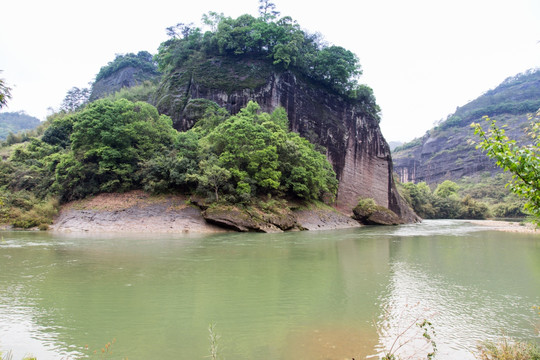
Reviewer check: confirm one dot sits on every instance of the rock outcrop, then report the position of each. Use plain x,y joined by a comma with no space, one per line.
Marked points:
124,78
244,220
352,138
376,215
442,156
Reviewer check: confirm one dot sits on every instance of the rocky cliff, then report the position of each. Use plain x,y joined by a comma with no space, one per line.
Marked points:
352,138
124,78
446,152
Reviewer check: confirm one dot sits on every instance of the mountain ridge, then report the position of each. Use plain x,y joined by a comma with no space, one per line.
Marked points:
447,151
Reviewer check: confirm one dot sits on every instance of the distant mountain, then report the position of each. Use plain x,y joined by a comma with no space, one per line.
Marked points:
445,152
394,144
13,122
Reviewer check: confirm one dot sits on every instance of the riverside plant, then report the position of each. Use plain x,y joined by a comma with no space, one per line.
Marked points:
411,337
507,349
9,356
214,342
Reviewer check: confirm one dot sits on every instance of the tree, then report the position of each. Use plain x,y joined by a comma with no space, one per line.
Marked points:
113,138
5,93
263,157
212,175
75,99
446,189
267,10
523,162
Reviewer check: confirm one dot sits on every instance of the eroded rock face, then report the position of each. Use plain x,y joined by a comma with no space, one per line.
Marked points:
126,77
355,146
442,157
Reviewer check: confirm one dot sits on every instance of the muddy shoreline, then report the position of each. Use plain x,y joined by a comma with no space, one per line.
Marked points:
507,226
138,212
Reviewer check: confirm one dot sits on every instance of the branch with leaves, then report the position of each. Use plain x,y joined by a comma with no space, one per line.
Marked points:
522,161
5,93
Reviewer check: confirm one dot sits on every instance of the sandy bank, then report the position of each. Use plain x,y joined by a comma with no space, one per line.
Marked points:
507,226
138,212
133,212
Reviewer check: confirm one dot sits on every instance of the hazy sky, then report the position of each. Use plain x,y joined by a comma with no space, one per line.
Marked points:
423,58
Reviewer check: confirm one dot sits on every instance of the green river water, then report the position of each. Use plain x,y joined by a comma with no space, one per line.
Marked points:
301,295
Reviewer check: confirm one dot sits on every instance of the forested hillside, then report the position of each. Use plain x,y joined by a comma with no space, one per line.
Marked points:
13,122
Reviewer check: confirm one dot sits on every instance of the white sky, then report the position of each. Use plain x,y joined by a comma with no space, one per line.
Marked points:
423,58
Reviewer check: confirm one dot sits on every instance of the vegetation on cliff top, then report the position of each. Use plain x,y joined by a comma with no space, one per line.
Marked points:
281,41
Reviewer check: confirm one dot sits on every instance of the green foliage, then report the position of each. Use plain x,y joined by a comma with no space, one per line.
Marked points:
523,162
22,209
110,139
443,203
367,205
214,177
143,60
120,145
59,131
143,92
264,158
446,189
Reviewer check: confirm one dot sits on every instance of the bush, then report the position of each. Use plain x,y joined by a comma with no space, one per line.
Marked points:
23,210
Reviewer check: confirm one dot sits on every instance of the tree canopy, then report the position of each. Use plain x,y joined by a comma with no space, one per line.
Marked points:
75,99
263,157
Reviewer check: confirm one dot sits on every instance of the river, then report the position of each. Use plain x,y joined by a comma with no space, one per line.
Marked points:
302,295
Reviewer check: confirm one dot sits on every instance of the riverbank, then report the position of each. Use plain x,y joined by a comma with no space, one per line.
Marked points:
138,212
507,226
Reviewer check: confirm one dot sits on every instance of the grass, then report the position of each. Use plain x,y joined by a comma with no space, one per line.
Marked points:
506,349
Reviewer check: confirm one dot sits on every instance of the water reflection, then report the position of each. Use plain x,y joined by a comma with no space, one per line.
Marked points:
471,288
